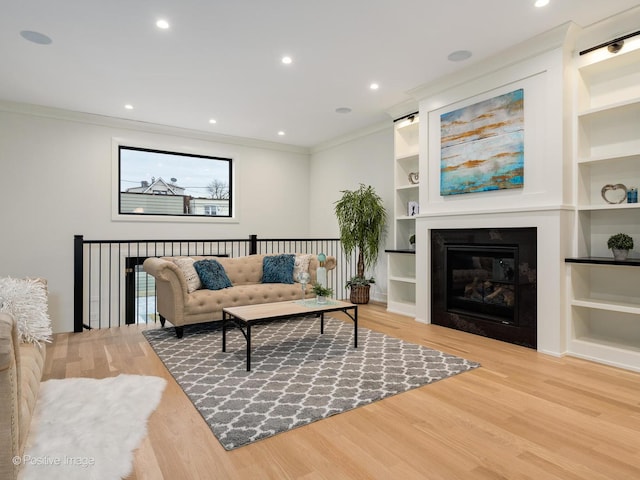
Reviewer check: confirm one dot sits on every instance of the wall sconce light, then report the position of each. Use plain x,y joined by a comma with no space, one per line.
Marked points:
406,120
615,47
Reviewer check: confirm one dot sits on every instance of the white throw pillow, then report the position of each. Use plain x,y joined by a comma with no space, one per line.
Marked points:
190,275
301,264
26,300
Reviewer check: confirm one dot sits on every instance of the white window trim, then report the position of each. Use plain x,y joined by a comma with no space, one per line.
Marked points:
116,216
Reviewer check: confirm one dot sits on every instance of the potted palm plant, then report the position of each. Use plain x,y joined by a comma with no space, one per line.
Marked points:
361,218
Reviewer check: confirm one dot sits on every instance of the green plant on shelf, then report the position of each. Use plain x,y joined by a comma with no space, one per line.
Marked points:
620,241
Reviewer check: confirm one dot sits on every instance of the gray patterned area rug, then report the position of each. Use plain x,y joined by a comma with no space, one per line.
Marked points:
297,375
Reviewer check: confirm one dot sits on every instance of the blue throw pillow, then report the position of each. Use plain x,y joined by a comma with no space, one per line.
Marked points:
278,268
212,274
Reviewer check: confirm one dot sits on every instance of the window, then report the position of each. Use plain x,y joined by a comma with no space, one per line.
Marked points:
215,210
155,182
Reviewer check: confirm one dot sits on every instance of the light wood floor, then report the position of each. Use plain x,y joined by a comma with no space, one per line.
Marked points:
521,415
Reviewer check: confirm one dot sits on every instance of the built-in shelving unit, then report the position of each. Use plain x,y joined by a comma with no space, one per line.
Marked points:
401,274
605,294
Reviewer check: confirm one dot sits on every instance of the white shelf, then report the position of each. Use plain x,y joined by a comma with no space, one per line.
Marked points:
409,157
631,104
403,308
403,279
603,350
401,271
609,305
635,155
412,187
610,206
604,318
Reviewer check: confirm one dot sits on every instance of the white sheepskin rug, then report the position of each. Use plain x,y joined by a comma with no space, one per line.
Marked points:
88,429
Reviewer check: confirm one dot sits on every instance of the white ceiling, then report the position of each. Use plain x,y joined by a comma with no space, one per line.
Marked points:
222,59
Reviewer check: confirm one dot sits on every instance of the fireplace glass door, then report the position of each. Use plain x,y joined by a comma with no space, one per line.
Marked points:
482,281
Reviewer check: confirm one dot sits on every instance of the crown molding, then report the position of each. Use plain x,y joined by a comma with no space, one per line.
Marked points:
125,124
349,137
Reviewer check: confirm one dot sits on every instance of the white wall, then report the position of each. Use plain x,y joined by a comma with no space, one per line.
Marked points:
57,182
343,165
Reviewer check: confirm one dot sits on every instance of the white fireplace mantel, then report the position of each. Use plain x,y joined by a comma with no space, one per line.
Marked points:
554,228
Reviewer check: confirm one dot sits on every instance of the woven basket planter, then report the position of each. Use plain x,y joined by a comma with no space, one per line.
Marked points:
359,294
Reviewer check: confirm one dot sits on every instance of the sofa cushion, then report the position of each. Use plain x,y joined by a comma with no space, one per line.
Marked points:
212,274
185,264
278,268
245,270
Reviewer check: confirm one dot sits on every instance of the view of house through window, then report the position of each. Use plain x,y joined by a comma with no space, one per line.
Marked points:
154,182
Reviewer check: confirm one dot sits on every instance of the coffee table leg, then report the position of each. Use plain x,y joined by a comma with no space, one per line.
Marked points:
321,322
224,331
248,347
355,328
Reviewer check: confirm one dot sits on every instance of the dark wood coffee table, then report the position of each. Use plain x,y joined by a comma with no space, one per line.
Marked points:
247,316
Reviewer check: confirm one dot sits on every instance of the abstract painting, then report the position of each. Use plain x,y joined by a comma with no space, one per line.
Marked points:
482,146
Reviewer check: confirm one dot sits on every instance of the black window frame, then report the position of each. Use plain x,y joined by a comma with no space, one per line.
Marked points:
229,181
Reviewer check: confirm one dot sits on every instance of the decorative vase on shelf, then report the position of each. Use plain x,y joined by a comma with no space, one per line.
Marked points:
321,273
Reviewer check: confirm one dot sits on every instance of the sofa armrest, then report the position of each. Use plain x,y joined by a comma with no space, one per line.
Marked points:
171,287
9,397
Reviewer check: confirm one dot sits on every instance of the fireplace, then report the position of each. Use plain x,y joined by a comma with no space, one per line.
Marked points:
484,282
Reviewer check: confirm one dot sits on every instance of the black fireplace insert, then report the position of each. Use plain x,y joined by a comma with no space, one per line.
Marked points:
484,282
481,281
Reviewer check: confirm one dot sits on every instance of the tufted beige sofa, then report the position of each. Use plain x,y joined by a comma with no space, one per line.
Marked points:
180,308
21,367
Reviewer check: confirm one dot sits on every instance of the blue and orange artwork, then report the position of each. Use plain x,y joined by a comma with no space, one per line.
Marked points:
482,146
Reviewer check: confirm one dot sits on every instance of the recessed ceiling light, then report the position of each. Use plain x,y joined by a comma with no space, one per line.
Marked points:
281,133
287,60
212,120
374,86
343,110
128,106
35,37
162,23
459,55
541,3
